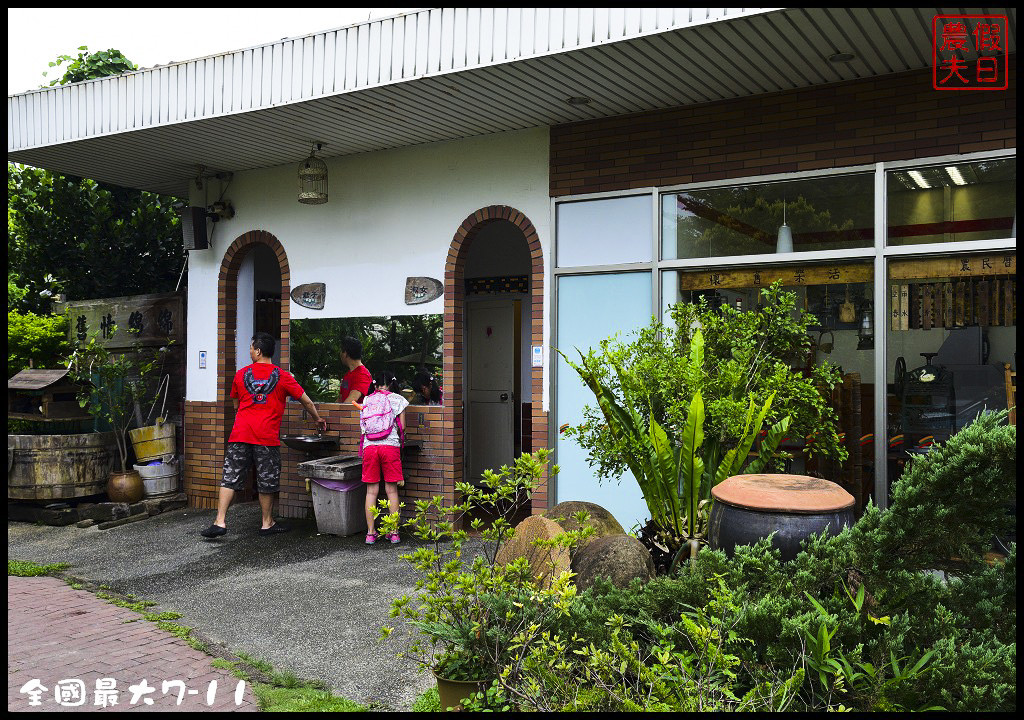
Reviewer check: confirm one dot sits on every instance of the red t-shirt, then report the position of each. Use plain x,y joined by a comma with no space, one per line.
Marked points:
261,389
358,379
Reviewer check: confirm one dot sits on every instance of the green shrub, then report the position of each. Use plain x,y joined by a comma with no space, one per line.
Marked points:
858,620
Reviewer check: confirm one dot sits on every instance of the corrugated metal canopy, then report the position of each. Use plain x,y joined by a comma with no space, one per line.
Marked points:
435,75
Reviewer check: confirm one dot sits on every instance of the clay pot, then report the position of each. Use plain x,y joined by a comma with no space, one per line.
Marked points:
125,487
750,507
451,692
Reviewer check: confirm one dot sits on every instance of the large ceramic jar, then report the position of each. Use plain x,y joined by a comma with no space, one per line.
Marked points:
125,487
750,507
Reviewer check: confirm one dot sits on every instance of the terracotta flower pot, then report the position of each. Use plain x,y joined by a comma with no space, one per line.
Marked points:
125,487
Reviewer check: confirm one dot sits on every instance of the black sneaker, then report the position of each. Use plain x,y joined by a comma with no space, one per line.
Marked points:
214,531
274,529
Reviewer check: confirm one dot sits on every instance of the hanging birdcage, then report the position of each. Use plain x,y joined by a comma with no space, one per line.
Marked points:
313,179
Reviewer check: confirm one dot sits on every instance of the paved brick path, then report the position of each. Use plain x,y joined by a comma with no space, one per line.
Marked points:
55,633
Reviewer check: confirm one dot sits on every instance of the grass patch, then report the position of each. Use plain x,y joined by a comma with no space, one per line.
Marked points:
260,665
429,701
25,568
302,699
285,692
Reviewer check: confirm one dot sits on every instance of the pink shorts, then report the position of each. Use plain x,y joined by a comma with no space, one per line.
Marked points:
382,462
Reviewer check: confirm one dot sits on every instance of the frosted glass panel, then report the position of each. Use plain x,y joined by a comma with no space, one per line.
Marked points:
590,308
604,232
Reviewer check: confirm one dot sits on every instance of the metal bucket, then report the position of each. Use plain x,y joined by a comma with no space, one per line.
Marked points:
153,442
159,480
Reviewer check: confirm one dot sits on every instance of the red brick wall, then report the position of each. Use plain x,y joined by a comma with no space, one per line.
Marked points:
895,117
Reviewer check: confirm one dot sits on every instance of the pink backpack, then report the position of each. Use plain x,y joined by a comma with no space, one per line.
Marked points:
377,417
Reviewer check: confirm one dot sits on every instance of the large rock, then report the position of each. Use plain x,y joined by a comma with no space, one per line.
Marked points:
545,563
620,558
603,522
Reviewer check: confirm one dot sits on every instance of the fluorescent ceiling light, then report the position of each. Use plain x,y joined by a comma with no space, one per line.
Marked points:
955,176
919,179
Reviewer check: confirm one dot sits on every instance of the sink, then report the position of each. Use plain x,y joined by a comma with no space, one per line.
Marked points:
311,443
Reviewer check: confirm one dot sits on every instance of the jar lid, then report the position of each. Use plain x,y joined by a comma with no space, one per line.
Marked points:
782,493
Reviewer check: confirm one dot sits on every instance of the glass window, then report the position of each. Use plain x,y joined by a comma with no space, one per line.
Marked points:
950,203
820,213
952,337
604,232
839,296
590,309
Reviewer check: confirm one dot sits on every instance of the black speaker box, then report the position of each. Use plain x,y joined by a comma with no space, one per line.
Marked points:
193,228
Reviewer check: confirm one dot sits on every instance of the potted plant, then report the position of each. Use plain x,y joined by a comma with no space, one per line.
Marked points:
114,384
462,637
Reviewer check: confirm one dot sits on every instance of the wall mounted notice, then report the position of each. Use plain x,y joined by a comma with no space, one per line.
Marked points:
538,356
202,359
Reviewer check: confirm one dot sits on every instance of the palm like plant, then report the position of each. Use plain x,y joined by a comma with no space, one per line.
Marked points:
676,477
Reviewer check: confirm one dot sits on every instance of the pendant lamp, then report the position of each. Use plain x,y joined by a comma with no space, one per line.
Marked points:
313,179
785,241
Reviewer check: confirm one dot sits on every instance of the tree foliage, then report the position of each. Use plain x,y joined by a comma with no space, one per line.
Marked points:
89,66
85,238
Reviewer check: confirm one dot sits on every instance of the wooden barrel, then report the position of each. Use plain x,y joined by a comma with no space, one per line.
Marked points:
58,467
750,507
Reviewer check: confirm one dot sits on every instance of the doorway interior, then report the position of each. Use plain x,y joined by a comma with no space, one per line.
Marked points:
257,309
497,377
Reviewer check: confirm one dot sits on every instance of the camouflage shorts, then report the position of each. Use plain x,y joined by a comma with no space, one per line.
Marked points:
239,457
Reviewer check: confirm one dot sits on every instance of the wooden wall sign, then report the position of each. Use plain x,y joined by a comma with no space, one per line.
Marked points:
789,275
121,322
953,267
422,289
310,295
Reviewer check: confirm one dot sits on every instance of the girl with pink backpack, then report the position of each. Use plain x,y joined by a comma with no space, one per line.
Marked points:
380,420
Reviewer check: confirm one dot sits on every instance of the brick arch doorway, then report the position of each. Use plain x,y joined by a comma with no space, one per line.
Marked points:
533,422
253,274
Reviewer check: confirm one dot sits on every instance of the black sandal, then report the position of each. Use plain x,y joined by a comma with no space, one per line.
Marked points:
274,529
214,531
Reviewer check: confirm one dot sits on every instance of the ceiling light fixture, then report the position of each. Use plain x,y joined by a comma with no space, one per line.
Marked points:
954,175
919,179
842,57
579,100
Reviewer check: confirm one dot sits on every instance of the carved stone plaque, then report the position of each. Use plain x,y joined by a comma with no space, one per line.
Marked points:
422,289
310,295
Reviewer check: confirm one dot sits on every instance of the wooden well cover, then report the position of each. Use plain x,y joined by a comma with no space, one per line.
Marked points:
782,493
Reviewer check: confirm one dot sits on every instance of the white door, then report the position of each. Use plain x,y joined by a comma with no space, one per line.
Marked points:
490,360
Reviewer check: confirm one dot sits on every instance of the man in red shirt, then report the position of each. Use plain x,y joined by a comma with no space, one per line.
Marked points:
356,383
259,392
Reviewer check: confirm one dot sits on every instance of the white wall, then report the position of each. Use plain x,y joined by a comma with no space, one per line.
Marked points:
390,214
